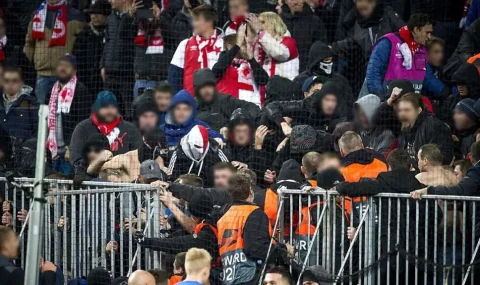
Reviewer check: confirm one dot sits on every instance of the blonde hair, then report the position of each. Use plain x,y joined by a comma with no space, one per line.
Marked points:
274,24
350,142
196,260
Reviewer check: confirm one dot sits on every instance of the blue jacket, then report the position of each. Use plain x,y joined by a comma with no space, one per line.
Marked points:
377,67
175,132
20,119
473,12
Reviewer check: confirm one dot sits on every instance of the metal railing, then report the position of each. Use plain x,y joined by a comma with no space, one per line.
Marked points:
79,223
397,240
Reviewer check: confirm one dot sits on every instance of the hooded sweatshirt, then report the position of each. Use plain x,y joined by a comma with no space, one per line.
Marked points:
175,131
318,52
374,137
468,75
196,154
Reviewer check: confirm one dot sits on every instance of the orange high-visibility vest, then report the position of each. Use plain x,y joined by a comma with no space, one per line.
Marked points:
271,206
175,279
237,267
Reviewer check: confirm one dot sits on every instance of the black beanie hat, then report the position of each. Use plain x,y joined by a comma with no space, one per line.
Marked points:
99,276
145,106
200,206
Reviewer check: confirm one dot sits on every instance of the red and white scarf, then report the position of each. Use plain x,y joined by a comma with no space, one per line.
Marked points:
109,130
60,102
155,43
235,24
204,47
59,33
3,42
408,38
245,74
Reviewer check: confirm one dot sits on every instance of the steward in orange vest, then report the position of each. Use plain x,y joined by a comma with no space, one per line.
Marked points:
304,232
244,236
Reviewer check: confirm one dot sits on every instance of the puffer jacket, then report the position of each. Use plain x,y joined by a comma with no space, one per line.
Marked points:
45,57
118,53
20,119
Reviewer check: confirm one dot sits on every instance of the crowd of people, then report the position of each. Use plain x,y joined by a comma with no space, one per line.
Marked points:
219,104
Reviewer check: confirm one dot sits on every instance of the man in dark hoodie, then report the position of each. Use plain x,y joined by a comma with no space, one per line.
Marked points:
465,117
418,127
466,79
376,137
181,118
18,109
240,136
321,59
105,119
323,110
215,108
196,153
305,27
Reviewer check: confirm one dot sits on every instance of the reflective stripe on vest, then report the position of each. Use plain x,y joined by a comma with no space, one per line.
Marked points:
237,268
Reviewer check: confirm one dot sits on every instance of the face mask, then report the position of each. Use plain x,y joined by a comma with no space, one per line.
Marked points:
327,67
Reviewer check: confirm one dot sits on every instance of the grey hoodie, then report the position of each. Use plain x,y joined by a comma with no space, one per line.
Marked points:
375,137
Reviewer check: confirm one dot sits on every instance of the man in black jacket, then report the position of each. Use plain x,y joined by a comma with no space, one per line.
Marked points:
116,63
215,108
420,128
465,118
89,45
305,27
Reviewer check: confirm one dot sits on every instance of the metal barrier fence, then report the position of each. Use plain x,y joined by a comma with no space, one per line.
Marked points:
79,223
397,240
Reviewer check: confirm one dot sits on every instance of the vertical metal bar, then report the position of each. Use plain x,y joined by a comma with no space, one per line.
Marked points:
35,234
56,218
139,226
351,259
130,217
156,226
47,235
435,242
407,237
122,220
474,222
328,228
65,248
360,241
416,240
83,238
342,237
426,240
73,235
112,233
464,234
397,274
147,210
454,239
379,236
333,206
103,232
445,217
30,213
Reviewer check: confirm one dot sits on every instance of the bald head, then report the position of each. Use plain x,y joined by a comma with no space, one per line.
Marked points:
350,142
141,277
